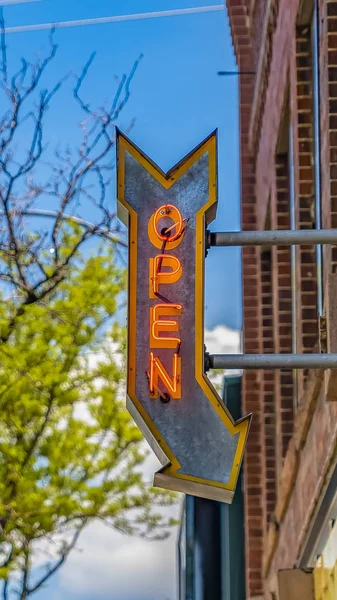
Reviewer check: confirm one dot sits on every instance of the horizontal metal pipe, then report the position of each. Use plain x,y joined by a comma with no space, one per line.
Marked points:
272,361
273,238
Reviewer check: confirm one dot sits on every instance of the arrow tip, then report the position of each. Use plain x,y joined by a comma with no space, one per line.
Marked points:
166,478
170,476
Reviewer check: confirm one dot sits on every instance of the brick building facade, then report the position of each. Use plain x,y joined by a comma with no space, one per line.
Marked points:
287,53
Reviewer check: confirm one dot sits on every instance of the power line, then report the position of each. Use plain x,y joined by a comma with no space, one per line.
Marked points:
114,19
53,214
9,2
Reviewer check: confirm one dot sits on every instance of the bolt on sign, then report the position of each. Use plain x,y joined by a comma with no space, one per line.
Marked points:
168,394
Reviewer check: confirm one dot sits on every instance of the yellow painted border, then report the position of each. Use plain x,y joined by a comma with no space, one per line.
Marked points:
167,180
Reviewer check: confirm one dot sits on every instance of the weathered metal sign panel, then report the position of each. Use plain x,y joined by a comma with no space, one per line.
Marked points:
168,393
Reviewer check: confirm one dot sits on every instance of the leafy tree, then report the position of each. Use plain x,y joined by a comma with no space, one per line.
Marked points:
69,452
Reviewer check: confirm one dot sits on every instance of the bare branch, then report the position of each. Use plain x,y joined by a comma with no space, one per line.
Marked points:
25,571
64,555
85,107
5,590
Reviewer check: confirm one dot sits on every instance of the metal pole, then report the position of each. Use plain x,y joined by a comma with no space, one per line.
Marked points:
317,151
293,260
207,550
273,238
51,214
271,361
238,73
232,515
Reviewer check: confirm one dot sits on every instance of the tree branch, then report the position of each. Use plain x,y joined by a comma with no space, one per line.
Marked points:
5,590
25,569
60,562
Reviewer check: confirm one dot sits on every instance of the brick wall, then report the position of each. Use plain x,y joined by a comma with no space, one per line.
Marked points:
328,110
256,20
268,382
254,461
330,15
305,217
290,448
283,293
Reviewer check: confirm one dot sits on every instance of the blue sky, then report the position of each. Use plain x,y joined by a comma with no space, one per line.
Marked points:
177,100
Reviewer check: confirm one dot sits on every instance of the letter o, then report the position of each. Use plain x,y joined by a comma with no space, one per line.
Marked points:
156,237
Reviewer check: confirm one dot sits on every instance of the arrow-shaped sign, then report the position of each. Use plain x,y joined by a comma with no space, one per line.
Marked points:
168,393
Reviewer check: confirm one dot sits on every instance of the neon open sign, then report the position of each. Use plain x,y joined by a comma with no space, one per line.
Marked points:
165,269
168,393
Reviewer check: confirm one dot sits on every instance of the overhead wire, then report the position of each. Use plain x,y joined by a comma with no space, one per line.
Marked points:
9,2
112,18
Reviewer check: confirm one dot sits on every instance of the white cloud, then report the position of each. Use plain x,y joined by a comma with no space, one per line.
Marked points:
123,568
94,358
222,340
106,564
